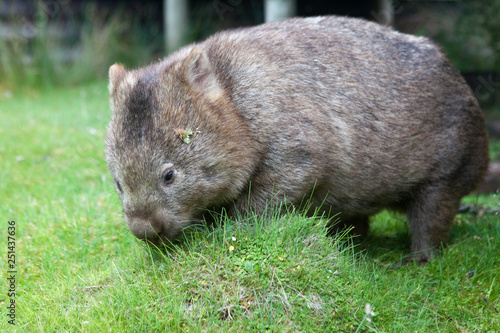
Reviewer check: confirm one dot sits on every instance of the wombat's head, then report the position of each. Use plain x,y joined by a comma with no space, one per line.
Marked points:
175,145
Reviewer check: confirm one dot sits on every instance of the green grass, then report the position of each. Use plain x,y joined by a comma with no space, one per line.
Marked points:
79,268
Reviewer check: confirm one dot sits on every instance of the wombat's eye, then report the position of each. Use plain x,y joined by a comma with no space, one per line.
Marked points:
118,186
168,176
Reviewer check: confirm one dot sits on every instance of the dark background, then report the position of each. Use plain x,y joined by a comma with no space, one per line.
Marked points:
53,42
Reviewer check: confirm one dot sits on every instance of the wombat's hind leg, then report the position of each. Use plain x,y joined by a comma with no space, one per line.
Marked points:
430,214
360,225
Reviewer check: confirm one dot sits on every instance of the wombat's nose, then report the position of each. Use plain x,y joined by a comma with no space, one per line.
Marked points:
145,229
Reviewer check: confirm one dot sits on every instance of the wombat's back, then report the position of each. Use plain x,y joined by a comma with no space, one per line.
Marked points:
354,103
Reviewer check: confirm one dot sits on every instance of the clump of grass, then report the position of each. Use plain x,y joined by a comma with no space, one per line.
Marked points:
266,272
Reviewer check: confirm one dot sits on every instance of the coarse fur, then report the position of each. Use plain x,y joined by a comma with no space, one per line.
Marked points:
352,114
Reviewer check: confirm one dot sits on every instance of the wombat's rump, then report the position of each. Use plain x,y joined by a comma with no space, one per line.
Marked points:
353,114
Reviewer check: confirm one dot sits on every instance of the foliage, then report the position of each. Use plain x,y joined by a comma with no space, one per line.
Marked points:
494,150
35,55
474,42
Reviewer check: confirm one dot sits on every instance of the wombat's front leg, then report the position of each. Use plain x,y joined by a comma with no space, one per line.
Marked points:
431,214
359,224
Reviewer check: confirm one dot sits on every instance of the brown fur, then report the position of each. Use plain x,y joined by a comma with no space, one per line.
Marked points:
354,113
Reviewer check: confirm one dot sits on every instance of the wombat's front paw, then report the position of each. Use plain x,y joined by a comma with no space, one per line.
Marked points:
419,258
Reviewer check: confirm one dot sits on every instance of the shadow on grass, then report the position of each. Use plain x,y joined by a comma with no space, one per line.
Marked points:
389,239
385,249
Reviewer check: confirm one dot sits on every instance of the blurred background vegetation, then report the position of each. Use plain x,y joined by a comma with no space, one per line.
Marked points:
47,43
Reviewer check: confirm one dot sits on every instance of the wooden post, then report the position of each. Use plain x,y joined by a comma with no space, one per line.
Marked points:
175,19
275,10
384,12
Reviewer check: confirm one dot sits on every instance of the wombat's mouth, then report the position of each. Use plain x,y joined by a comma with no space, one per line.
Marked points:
160,231
161,226
145,229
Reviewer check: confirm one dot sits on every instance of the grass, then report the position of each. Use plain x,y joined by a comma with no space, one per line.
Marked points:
80,269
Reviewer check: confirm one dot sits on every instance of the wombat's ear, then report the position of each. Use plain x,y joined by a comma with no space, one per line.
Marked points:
199,73
116,74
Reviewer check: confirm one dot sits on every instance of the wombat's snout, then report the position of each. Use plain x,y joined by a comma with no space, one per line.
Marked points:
146,229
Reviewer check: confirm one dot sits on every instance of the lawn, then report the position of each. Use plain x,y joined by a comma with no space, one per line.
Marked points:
77,267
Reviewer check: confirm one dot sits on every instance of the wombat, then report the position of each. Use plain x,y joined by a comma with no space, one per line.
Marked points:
351,114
